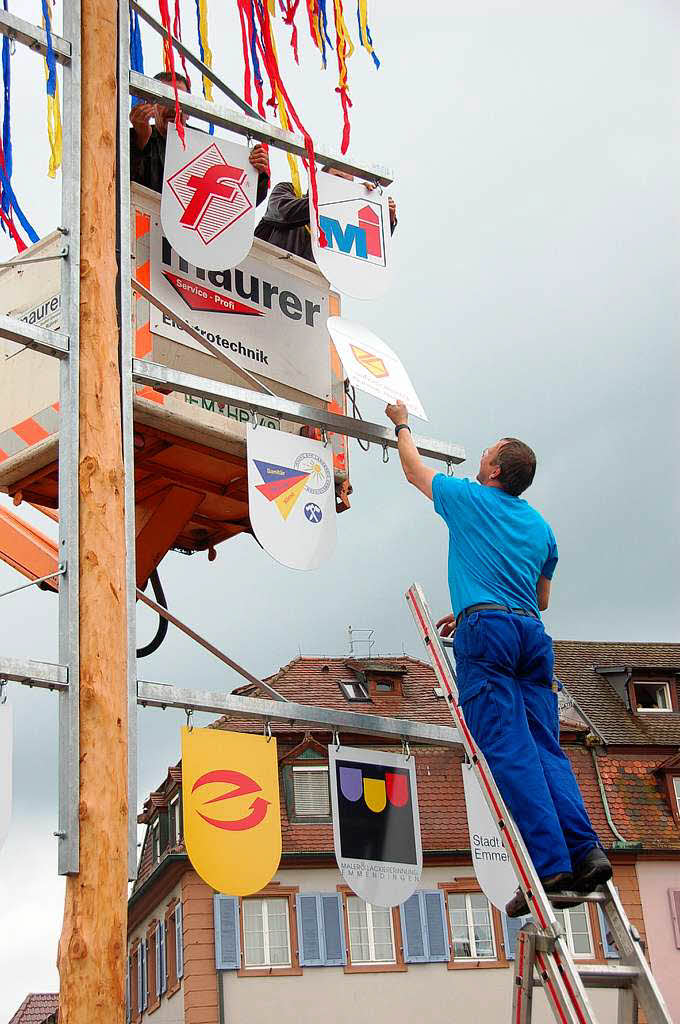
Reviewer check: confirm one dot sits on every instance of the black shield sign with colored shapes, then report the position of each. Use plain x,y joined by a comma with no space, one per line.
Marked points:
376,825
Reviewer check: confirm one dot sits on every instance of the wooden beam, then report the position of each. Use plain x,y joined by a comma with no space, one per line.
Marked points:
158,531
26,549
92,948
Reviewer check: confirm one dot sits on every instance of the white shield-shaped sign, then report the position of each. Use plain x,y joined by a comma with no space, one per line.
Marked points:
372,366
5,770
376,825
492,865
356,225
291,497
208,200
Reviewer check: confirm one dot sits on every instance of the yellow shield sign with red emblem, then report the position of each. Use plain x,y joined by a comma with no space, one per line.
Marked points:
232,814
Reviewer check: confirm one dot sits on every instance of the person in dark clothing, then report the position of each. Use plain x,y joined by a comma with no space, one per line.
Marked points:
147,143
286,219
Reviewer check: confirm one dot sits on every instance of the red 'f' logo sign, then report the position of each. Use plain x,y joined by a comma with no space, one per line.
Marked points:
211,194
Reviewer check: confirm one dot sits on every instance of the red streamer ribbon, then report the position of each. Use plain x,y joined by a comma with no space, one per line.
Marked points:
168,53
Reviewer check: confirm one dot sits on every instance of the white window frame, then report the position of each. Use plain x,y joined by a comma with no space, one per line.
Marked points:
371,937
676,790
267,965
176,817
300,769
352,687
654,682
471,929
155,840
566,911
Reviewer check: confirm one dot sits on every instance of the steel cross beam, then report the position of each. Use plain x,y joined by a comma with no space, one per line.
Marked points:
251,127
154,375
158,695
33,37
206,72
34,673
50,343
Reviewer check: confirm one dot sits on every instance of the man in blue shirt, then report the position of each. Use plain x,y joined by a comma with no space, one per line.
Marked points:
502,556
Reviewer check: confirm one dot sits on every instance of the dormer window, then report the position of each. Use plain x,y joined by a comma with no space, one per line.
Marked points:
353,689
652,695
310,791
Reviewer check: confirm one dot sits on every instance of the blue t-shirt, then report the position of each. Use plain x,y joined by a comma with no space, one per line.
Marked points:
498,544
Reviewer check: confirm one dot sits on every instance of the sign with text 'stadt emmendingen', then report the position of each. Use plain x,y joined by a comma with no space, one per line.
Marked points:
376,825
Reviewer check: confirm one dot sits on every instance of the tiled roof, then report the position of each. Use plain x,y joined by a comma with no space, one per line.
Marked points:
36,1008
639,806
575,664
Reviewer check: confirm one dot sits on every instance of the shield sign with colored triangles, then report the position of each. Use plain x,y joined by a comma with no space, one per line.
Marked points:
291,497
232,815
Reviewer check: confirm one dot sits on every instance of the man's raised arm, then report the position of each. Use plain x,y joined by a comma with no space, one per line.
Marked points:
415,470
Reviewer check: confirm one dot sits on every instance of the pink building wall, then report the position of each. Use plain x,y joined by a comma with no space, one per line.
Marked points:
655,878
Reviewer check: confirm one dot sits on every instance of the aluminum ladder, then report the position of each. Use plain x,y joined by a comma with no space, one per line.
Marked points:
542,945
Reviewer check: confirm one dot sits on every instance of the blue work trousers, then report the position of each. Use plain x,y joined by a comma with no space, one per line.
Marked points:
504,665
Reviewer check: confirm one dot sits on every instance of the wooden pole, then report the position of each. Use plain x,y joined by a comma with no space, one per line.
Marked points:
93,940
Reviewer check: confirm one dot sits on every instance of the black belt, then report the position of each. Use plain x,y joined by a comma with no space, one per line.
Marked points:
488,607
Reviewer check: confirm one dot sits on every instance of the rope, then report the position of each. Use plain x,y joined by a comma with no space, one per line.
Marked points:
351,393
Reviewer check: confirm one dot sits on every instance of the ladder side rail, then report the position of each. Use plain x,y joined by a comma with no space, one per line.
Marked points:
523,990
628,944
562,984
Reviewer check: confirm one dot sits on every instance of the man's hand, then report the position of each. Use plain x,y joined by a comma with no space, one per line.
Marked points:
259,158
447,625
140,118
398,413
393,210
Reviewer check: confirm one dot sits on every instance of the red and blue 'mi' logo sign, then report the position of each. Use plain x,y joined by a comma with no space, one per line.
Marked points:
354,228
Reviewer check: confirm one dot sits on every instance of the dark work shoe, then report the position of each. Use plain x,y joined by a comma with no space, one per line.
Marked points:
517,907
593,870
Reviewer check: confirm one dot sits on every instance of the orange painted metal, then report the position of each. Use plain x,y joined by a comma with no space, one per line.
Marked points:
26,549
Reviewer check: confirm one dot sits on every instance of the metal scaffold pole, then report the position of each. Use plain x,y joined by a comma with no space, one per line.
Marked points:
92,946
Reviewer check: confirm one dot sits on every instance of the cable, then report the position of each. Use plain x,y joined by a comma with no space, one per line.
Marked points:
350,391
150,648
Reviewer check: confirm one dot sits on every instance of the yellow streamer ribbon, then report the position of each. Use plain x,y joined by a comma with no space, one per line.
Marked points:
54,128
285,124
207,52
344,43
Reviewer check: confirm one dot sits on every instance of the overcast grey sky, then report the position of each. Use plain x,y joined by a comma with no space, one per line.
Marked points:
535,295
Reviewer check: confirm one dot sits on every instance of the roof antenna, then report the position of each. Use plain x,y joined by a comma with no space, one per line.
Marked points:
364,643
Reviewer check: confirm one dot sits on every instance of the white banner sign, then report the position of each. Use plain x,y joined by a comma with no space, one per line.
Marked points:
493,869
264,318
372,366
356,225
5,770
208,200
291,497
376,825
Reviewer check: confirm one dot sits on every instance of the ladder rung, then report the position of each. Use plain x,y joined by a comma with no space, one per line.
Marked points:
568,896
604,976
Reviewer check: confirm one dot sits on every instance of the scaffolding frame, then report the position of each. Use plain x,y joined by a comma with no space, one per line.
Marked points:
63,678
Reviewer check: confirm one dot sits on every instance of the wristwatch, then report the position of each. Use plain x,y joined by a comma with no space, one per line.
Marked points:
401,426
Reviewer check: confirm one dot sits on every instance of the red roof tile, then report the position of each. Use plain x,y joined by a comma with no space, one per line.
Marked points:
36,1008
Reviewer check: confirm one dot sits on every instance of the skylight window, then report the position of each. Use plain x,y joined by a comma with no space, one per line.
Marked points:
652,695
353,690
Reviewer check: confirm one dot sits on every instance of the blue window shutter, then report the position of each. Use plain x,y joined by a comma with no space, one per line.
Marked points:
413,929
140,986
437,932
227,933
157,992
164,956
179,941
144,950
309,930
610,950
511,928
333,920
127,992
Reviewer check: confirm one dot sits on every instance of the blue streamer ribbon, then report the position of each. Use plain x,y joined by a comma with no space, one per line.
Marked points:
9,200
136,52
